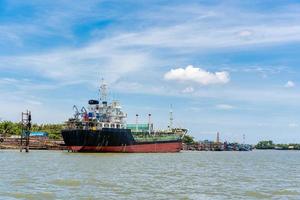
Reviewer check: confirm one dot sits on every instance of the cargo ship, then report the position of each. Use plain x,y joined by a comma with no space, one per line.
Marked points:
101,127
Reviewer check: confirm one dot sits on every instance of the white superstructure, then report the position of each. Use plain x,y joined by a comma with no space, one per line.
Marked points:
99,113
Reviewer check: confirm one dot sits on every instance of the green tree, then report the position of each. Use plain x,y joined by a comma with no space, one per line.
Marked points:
187,139
8,128
265,145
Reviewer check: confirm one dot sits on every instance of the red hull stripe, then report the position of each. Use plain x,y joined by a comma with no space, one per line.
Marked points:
140,148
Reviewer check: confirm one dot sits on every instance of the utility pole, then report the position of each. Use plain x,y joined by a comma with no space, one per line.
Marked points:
136,122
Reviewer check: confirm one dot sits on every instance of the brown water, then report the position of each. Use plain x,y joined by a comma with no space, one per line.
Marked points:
187,175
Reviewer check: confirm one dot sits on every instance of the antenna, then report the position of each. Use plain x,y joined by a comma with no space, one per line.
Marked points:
103,90
171,118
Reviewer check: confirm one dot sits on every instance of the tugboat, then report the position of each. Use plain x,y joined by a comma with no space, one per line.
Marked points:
102,128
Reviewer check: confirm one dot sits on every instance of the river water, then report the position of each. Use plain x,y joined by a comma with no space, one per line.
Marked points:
185,175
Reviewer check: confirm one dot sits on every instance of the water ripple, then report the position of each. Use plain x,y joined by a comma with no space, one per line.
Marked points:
187,175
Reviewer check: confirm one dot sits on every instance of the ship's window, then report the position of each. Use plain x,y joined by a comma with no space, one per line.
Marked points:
113,126
106,125
100,125
118,125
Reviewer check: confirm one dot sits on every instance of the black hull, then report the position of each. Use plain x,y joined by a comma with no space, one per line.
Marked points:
105,137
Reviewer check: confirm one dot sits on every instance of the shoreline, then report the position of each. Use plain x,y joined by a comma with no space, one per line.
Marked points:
35,143
44,143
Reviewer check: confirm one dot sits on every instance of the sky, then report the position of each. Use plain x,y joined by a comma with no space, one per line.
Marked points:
225,66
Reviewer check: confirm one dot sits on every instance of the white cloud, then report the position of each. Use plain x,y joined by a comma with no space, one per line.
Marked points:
197,75
84,64
224,107
293,125
290,84
245,33
33,102
190,28
188,90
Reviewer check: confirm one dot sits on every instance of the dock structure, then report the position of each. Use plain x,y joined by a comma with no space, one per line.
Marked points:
25,131
217,145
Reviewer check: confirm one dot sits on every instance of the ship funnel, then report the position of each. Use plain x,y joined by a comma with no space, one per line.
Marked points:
93,102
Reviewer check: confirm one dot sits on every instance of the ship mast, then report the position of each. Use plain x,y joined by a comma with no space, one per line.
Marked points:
171,118
103,91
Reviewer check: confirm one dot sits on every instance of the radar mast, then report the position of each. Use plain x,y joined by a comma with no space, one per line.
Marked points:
103,91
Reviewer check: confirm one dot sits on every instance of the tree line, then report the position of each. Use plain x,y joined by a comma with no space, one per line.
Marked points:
8,128
271,145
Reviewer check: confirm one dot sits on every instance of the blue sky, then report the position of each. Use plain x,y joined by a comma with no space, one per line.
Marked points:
227,66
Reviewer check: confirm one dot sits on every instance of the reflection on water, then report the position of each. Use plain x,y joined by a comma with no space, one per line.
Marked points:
187,175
